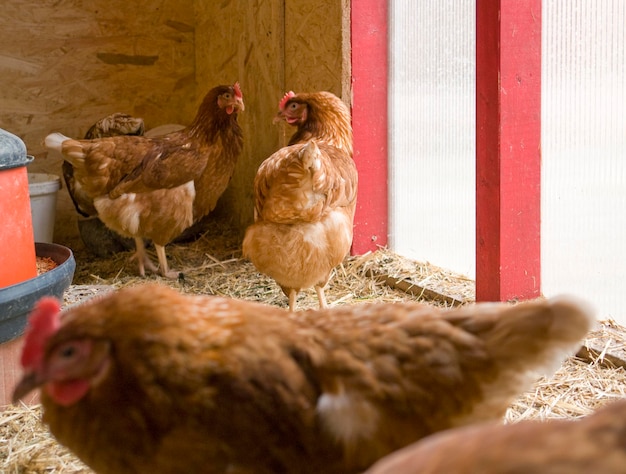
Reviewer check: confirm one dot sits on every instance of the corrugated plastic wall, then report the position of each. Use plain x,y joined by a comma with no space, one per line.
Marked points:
432,150
583,142
584,151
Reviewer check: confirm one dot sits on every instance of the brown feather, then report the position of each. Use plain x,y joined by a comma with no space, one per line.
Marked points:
594,444
303,227
109,126
210,384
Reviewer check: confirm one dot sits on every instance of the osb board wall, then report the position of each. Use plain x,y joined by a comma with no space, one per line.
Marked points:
243,40
270,46
66,63
317,46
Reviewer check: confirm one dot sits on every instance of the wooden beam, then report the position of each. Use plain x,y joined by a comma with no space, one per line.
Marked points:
413,288
508,153
369,121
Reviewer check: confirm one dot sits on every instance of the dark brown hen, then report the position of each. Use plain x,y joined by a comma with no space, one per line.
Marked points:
154,188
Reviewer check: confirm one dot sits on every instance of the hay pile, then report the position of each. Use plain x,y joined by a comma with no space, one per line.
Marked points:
213,265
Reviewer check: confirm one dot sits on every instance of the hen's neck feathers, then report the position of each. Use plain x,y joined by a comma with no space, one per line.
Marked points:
211,121
328,121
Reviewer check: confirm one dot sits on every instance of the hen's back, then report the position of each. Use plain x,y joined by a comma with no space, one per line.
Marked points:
420,370
593,444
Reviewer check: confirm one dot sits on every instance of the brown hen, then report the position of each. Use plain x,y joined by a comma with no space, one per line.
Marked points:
305,198
594,444
155,188
110,126
149,380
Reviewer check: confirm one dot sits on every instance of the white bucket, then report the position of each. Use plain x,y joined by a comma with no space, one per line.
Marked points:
43,189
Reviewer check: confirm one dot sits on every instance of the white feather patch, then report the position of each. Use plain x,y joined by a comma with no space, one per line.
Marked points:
54,141
314,234
347,417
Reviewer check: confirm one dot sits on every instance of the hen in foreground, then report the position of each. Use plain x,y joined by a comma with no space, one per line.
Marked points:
155,188
594,444
305,198
149,380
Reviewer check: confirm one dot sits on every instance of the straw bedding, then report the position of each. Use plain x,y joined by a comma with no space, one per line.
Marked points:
213,265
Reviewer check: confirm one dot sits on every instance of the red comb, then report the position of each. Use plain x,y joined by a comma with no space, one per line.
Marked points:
286,97
237,90
42,323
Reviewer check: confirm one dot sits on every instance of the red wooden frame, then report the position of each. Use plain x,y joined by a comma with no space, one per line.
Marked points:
508,137
369,121
508,149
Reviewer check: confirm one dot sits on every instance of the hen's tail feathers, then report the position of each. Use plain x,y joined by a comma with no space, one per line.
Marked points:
541,334
310,156
54,141
71,149
524,342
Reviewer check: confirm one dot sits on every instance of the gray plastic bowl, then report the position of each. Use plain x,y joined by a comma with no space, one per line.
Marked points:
17,301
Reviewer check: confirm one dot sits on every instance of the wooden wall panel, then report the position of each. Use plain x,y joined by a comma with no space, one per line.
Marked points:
317,49
65,64
314,38
243,40
270,46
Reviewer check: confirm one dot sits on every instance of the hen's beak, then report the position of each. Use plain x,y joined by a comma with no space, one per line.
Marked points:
234,105
30,381
239,104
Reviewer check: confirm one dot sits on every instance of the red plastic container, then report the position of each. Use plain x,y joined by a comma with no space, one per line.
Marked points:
17,245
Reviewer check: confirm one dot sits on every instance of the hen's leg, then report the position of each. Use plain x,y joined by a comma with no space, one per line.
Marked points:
142,258
164,268
321,296
293,294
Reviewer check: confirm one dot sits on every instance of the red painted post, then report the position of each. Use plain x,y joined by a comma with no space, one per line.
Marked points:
369,121
508,149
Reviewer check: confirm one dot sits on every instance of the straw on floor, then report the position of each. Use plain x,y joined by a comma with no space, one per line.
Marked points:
213,265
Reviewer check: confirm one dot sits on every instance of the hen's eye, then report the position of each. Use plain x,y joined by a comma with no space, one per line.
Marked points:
293,106
67,352
227,95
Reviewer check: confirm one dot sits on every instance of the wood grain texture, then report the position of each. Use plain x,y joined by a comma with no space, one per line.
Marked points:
59,73
313,46
66,64
242,40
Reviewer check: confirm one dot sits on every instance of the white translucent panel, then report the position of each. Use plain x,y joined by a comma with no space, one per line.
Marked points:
432,142
584,152
432,131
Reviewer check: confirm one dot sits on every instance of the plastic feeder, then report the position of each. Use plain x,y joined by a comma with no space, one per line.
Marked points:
17,301
17,245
